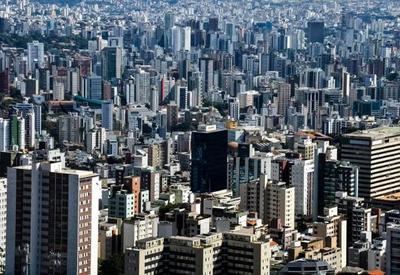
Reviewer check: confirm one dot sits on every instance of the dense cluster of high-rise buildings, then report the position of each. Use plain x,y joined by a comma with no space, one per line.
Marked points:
199,137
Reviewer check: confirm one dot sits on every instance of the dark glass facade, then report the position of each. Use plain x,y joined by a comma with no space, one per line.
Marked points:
209,161
335,176
316,31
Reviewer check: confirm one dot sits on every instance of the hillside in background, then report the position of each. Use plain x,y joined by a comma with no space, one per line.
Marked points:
69,2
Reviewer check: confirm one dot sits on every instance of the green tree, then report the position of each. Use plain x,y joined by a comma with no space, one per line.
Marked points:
392,76
114,265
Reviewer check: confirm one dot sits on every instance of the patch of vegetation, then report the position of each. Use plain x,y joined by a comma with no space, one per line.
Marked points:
222,107
50,42
184,127
114,265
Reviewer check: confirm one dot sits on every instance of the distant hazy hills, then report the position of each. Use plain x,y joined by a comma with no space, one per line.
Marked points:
72,2
69,2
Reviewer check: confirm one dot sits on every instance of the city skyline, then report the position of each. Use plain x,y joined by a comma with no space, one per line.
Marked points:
199,137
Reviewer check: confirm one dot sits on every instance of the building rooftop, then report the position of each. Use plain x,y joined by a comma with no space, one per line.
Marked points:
375,133
81,173
301,265
390,197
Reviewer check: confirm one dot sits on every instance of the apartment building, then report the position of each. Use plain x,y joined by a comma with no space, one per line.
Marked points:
53,215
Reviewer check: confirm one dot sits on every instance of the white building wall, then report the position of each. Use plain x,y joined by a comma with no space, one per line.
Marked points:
3,218
11,210
302,179
96,191
4,134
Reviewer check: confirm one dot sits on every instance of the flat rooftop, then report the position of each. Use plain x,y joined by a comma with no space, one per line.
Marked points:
375,133
390,197
80,173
